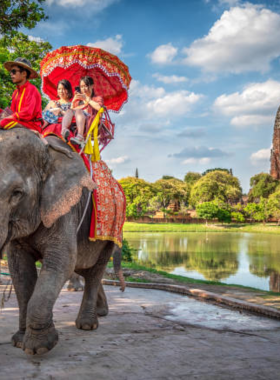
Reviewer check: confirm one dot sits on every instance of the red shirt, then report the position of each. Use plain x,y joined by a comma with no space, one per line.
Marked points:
26,107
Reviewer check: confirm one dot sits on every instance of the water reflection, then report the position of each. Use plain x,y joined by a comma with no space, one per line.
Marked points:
246,259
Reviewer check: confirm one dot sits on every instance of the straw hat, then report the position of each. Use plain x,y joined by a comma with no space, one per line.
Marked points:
21,62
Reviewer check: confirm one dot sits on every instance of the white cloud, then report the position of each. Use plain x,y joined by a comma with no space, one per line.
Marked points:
152,110
255,105
248,120
178,102
194,161
229,2
244,39
144,91
118,160
192,132
163,54
35,39
171,79
95,5
261,156
112,45
199,152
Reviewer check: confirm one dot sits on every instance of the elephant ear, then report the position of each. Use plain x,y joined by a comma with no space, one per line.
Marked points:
65,179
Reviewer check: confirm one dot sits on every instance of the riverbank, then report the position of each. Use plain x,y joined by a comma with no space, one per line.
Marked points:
234,296
174,227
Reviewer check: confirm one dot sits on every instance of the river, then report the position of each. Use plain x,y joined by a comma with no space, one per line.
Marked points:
232,258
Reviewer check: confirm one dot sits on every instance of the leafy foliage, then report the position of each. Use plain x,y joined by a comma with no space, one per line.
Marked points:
262,185
229,171
18,13
172,190
192,177
273,205
19,46
138,194
216,185
224,215
257,211
238,216
127,251
207,210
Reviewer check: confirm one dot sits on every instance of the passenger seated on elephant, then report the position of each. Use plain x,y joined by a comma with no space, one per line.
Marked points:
85,105
26,110
57,108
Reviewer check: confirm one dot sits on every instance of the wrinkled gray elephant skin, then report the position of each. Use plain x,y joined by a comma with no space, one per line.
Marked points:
43,192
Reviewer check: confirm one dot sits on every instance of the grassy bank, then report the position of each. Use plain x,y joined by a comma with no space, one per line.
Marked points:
174,227
182,279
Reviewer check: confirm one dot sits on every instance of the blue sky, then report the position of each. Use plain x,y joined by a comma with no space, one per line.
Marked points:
206,80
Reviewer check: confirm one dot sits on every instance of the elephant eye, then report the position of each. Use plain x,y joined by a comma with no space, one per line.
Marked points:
16,194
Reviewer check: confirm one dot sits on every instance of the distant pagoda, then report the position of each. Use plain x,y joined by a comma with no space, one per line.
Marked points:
275,151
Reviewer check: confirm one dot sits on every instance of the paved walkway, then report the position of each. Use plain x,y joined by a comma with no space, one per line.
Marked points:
148,335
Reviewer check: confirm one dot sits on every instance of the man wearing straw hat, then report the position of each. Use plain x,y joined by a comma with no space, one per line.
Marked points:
26,109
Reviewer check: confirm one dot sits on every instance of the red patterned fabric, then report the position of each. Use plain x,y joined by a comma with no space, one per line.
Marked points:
109,205
111,76
52,129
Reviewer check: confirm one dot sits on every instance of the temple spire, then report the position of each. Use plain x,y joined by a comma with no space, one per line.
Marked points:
275,151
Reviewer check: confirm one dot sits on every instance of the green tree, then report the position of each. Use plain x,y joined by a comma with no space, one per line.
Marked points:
191,178
224,215
138,194
238,216
262,185
18,13
258,211
136,173
229,171
172,190
216,185
207,210
19,45
273,205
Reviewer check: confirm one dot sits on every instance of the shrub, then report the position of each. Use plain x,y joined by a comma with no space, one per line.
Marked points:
127,251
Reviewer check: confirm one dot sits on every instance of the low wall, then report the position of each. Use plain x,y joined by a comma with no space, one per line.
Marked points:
146,219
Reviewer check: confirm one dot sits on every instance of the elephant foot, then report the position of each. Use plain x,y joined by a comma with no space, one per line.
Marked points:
75,287
75,284
102,311
39,341
17,338
87,323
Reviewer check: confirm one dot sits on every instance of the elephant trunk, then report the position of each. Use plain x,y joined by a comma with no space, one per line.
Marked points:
5,233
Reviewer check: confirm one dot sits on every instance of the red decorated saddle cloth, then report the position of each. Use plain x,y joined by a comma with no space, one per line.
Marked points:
109,205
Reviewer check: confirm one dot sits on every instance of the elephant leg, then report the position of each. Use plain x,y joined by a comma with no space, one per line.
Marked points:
101,304
75,283
41,335
24,275
87,317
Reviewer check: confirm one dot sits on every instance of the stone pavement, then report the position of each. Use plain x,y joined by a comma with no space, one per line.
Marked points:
148,335
259,298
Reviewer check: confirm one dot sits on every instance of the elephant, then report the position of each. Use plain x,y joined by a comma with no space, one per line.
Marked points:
44,187
76,285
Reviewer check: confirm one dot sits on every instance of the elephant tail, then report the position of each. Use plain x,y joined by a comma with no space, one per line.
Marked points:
117,258
122,281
